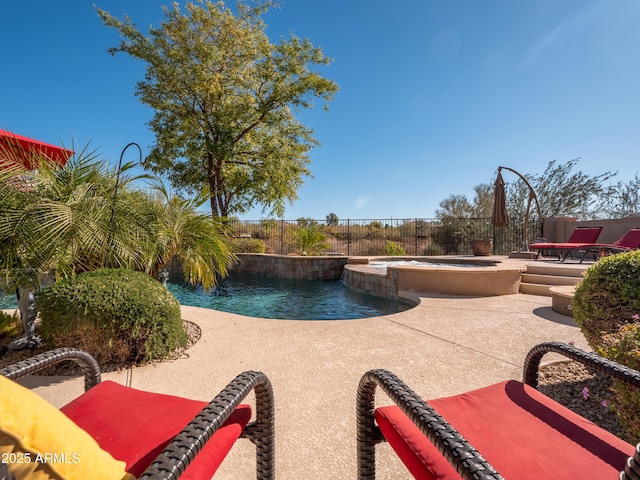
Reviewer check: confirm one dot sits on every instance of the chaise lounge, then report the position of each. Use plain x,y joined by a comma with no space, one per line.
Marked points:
579,240
629,241
507,430
116,432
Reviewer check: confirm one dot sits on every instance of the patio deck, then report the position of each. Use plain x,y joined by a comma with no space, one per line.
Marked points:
443,346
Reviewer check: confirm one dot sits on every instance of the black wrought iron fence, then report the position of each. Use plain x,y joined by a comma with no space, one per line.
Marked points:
417,236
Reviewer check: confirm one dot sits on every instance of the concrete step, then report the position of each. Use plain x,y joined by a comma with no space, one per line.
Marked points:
562,299
567,270
536,289
549,279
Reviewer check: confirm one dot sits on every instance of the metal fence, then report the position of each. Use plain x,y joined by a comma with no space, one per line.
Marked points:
416,236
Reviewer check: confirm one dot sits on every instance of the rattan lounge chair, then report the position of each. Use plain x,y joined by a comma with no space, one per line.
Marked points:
157,436
579,240
508,429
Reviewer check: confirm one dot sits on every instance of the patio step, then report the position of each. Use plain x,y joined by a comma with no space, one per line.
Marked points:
535,289
557,269
539,278
549,279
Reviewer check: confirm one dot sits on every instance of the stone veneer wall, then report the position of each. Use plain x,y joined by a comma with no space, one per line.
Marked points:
385,286
297,267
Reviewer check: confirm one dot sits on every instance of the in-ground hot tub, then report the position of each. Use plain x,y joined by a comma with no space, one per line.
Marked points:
459,276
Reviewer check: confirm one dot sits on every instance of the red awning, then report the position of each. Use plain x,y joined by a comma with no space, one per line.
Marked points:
24,150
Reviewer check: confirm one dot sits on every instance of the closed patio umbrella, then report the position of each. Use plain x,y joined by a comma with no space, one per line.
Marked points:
500,216
26,151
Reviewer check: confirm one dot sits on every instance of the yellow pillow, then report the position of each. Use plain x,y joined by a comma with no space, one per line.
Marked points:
37,441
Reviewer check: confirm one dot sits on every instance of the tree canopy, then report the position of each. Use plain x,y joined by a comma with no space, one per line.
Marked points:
561,189
224,98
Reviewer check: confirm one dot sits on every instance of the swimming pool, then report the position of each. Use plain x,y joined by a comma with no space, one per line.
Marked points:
285,299
279,298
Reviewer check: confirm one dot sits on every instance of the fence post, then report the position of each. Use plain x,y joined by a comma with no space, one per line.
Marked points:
281,237
348,237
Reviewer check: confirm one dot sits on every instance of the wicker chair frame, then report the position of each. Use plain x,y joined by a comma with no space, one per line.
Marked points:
466,460
179,453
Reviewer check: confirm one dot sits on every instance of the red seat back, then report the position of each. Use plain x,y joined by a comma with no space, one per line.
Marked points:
630,240
585,235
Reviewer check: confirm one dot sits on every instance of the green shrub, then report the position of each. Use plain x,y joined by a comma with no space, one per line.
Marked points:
606,306
309,240
249,245
432,250
393,248
609,296
117,315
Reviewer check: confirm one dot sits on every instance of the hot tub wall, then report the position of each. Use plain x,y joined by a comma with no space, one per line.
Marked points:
366,280
473,281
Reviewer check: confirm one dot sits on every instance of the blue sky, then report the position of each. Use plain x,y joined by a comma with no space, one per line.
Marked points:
434,95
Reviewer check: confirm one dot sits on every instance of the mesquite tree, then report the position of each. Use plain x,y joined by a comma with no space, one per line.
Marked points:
224,98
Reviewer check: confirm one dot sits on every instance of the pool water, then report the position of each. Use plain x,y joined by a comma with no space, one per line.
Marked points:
268,297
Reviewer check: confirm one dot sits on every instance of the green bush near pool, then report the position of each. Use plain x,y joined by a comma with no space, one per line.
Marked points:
117,315
607,307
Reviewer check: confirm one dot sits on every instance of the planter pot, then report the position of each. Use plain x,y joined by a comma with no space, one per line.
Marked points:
481,246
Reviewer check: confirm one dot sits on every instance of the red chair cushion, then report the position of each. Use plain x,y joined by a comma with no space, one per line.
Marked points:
520,431
561,246
135,426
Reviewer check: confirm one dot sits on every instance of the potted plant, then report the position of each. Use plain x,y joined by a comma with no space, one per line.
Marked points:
481,246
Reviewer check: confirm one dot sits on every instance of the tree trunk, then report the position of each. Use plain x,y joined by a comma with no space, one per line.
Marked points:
28,314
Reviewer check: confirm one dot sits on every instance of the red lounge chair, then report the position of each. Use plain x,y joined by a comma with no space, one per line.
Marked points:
581,238
629,241
148,435
507,430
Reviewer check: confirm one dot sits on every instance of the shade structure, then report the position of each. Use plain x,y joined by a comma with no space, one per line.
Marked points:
500,216
27,151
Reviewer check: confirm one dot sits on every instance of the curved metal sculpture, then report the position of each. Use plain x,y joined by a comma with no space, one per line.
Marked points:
141,161
532,197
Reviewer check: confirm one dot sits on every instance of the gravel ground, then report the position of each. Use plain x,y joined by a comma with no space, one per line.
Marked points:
69,368
572,385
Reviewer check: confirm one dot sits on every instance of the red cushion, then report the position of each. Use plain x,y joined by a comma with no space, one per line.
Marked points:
562,246
135,426
584,235
520,431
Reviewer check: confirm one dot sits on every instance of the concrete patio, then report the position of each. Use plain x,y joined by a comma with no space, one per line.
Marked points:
443,346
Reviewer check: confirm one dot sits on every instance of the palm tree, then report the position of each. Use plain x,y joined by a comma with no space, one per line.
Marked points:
58,220
197,240
61,219
67,221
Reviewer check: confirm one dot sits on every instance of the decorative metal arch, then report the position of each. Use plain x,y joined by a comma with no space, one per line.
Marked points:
532,197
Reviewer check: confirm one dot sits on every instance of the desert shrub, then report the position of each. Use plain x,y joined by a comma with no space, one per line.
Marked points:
447,237
249,245
432,249
393,248
117,315
607,306
309,240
